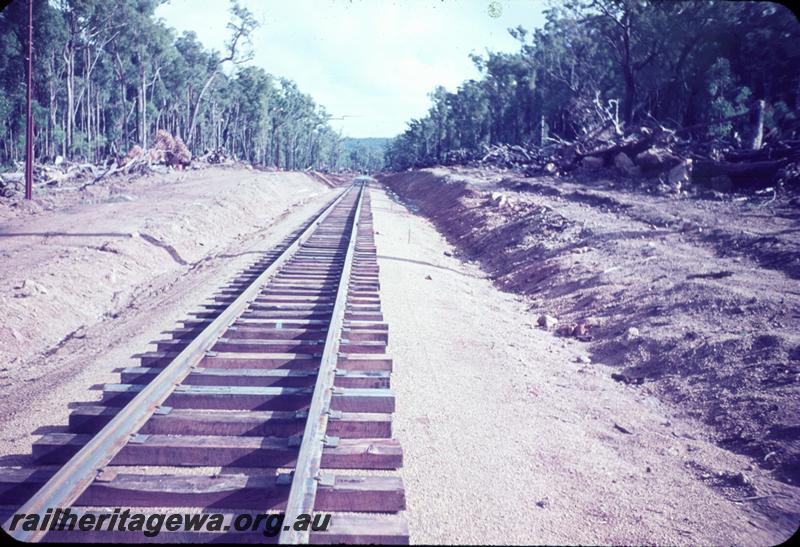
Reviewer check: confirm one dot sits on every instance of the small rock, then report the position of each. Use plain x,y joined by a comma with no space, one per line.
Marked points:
547,321
30,288
580,329
625,379
632,333
742,479
428,277
681,174
656,158
446,253
110,247
544,503
722,183
565,329
582,359
622,429
624,163
592,162
498,199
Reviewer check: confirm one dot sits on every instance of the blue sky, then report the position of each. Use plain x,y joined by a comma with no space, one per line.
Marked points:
376,60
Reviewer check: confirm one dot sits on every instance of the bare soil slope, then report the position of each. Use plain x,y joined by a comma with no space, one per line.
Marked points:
694,300
510,437
97,272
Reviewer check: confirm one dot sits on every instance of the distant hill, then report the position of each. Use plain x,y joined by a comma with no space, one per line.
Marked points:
369,143
364,155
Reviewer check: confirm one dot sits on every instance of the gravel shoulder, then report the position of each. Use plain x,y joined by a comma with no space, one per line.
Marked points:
509,439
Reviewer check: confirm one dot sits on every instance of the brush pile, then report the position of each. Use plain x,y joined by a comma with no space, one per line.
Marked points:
672,156
167,153
166,150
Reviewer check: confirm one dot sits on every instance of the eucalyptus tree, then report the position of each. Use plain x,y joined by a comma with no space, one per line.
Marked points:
599,64
241,26
109,74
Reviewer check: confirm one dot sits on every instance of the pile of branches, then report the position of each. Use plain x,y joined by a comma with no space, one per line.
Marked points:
215,157
675,157
60,172
460,156
167,152
511,156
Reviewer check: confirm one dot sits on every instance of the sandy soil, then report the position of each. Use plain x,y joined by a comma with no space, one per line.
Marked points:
690,299
509,439
87,281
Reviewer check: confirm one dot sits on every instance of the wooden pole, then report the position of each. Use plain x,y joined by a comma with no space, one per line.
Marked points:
29,121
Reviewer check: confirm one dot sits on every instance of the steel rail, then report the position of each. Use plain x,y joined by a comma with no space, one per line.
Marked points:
66,486
303,492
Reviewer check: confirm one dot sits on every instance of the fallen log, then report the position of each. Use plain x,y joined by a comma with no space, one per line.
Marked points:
12,177
765,154
630,148
757,173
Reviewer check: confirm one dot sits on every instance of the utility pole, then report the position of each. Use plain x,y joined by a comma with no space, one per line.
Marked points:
29,126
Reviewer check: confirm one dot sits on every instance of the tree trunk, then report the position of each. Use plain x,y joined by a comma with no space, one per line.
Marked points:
69,59
199,101
758,125
757,173
144,109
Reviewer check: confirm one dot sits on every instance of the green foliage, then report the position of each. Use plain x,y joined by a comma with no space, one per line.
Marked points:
607,63
80,145
726,98
363,155
108,75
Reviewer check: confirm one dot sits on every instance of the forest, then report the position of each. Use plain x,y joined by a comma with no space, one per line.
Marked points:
108,75
696,67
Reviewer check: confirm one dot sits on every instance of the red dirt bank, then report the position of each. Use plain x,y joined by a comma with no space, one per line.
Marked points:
695,300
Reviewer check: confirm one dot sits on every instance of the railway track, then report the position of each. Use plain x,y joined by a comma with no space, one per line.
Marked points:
273,398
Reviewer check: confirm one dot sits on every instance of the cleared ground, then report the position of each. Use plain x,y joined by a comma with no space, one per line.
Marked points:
79,296
508,439
692,297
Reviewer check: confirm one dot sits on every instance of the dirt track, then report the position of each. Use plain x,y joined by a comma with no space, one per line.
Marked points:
673,294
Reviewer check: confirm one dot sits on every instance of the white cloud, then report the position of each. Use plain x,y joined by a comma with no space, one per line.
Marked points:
375,59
